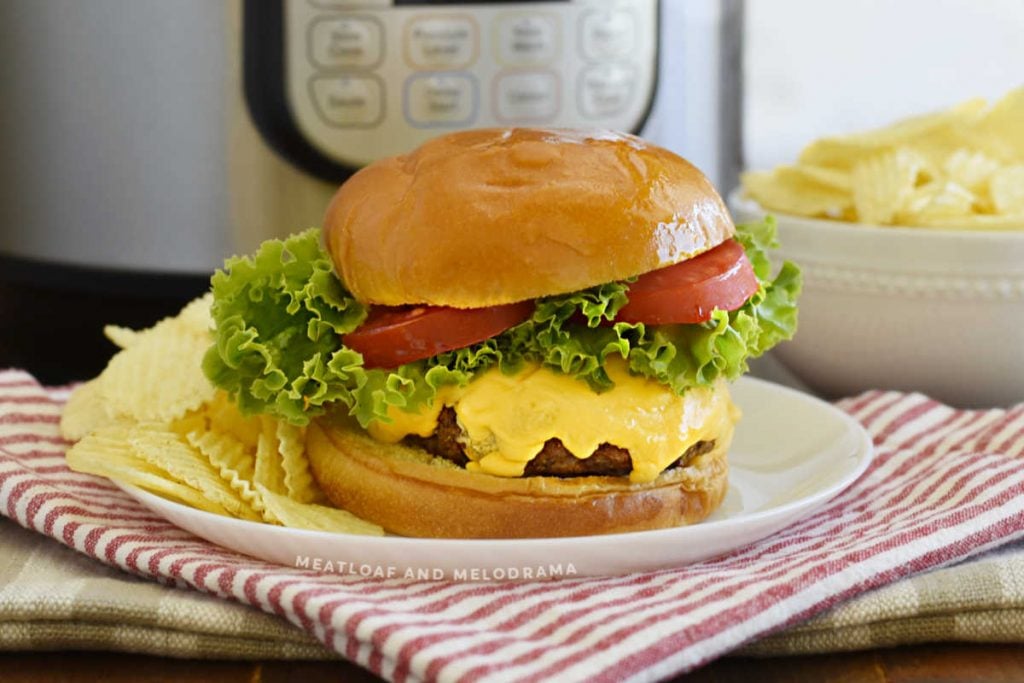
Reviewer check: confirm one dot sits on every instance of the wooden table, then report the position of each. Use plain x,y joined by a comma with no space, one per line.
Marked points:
954,662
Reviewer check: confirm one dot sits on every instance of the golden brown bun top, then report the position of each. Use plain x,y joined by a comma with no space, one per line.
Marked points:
486,217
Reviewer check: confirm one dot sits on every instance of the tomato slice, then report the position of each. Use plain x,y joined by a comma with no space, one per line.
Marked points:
688,292
393,335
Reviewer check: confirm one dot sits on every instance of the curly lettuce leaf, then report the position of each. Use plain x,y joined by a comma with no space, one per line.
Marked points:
679,356
696,355
281,313
278,316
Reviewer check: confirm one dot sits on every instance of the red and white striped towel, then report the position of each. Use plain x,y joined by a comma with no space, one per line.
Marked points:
945,485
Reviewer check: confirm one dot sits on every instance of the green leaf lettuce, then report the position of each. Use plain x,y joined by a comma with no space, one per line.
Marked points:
280,315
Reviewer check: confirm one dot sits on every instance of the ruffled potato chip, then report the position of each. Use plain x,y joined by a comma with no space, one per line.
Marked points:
233,462
951,169
159,376
883,184
298,480
936,200
108,452
123,337
969,169
224,417
1003,128
153,420
298,515
1006,188
792,189
84,412
195,318
944,128
268,471
163,448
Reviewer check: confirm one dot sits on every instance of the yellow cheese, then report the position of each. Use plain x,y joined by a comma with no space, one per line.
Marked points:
403,424
507,419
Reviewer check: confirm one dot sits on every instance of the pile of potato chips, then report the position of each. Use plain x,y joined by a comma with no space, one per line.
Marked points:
153,420
959,168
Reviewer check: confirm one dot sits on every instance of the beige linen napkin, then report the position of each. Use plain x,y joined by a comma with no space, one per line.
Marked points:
981,600
53,598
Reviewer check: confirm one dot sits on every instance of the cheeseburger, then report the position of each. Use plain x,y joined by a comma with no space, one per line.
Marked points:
510,333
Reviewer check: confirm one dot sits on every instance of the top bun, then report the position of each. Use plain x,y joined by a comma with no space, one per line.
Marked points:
485,217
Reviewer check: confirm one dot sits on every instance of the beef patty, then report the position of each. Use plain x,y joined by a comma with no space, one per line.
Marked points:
554,460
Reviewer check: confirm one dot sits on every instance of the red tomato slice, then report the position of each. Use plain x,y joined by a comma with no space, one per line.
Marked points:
688,292
393,335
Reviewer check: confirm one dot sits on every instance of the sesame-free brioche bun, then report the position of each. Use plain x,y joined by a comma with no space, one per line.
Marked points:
486,217
411,493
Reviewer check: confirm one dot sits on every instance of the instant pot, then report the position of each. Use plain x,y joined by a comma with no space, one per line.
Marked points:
144,141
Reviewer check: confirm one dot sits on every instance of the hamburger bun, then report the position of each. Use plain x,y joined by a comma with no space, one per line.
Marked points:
489,217
411,493
560,211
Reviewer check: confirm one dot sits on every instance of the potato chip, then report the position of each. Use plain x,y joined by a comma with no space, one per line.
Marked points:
195,317
84,412
224,417
108,453
969,169
298,480
793,190
822,175
297,515
1003,128
946,128
1006,188
153,420
159,377
224,451
193,421
936,200
123,337
883,184
957,166
268,471
233,462
161,447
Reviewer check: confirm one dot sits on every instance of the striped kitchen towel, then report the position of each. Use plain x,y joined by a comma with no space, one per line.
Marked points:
945,485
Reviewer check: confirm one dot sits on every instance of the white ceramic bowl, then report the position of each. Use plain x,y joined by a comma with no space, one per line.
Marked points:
914,309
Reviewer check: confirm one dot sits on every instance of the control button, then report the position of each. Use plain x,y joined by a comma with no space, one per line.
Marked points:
605,90
607,34
523,97
440,99
441,42
349,101
346,42
527,39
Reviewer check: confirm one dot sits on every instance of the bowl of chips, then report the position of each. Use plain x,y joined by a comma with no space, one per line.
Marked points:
911,240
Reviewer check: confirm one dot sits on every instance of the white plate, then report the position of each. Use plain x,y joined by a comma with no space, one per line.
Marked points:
791,454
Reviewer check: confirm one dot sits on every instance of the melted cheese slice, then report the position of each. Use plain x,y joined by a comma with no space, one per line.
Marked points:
506,420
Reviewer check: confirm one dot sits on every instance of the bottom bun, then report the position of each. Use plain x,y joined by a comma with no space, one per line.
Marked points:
412,493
